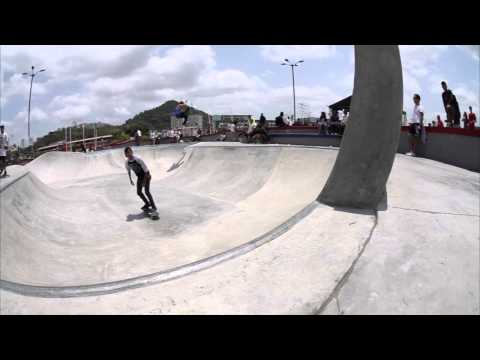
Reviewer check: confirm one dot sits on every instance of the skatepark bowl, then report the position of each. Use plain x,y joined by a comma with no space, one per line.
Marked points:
242,220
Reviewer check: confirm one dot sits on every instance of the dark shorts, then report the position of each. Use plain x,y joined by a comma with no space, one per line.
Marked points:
414,130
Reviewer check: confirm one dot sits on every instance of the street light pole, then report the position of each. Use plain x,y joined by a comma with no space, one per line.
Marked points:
32,75
29,103
294,102
292,65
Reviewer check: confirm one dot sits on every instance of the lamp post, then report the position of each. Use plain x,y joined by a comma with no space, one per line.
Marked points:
32,75
292,65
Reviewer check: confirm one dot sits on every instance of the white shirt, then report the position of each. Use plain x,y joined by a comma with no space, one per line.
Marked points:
3,143
416,115
136,164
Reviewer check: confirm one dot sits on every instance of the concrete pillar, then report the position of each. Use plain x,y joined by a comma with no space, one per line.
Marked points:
359,176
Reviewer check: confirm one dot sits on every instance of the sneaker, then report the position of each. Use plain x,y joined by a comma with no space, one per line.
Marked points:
145,207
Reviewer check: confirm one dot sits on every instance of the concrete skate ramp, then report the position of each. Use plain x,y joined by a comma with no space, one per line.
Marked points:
73,219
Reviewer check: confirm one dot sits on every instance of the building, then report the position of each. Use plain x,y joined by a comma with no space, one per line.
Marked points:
219,121
196,121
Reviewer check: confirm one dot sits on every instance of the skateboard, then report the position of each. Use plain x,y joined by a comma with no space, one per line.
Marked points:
152,214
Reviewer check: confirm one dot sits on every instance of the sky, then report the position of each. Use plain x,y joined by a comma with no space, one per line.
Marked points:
113,83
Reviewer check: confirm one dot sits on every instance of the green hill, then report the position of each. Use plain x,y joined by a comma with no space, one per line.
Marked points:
157,118
154,119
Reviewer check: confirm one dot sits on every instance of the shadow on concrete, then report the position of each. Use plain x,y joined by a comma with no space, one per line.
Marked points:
177,164
355,211
140,216
383,204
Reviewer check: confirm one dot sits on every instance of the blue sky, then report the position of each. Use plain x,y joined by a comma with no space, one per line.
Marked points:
113,83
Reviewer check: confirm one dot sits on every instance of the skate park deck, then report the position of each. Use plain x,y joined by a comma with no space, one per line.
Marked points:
242,221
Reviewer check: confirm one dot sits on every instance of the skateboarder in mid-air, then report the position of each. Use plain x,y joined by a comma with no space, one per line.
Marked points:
143,178
181,112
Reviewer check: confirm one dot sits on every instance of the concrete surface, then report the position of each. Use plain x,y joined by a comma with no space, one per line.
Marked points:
371,136
239,232
424,255
216,198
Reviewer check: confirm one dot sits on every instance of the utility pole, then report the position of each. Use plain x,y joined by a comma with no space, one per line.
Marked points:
292,65
32,74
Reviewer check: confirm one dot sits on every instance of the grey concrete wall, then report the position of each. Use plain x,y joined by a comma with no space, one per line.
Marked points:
308,140
454,149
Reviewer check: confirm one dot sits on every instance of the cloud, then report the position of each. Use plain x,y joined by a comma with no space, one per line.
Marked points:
466,97
18,85
276,53
472,50
36,115
72,112
420,60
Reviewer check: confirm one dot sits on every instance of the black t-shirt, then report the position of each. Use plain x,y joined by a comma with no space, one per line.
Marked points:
449,99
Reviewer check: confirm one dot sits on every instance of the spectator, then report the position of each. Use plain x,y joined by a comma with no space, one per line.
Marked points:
451,106
415,125
197,135
279,120
439,122
83,148
3,151
262,121
334,123
138,135
472,119
259,129
322,123
465,120
346,115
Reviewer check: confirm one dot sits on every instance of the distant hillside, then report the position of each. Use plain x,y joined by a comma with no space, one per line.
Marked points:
154,119
157,118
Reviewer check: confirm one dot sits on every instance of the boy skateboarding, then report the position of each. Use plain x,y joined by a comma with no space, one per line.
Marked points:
143,179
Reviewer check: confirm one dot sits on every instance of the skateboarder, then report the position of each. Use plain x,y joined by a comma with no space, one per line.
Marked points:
143,178
181,112
3,151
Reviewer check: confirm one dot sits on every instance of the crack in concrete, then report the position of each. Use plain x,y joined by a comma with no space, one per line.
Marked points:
339,308
336,291
434,212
